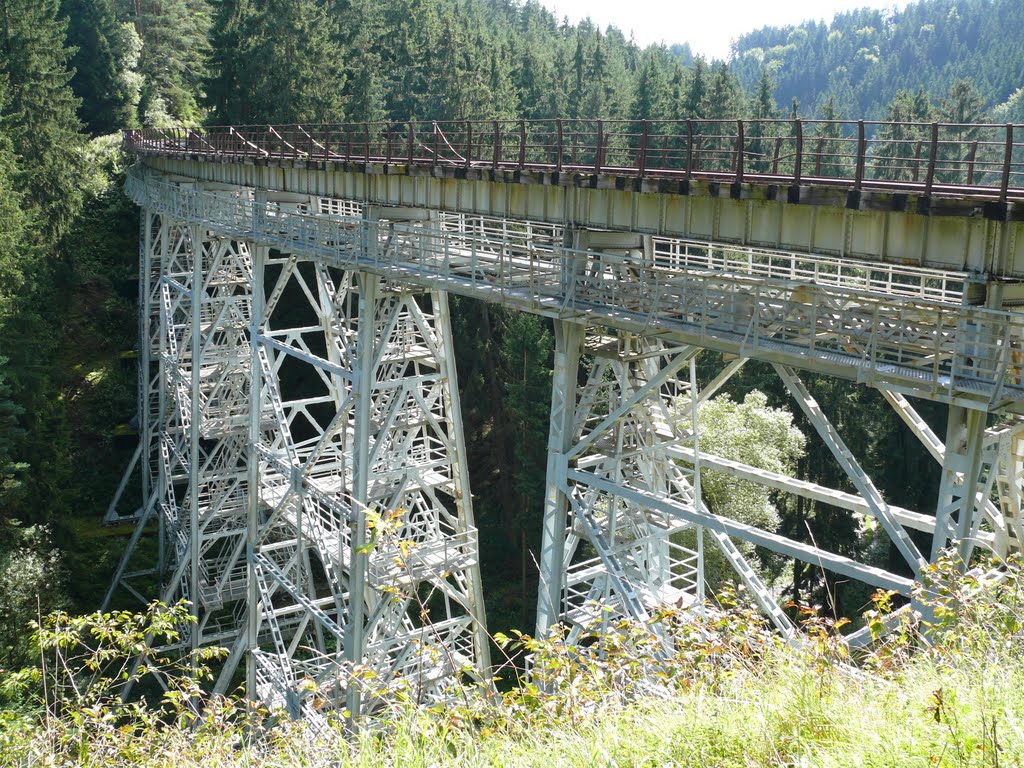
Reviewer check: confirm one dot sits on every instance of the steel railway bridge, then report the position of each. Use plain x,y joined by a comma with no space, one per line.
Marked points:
301,447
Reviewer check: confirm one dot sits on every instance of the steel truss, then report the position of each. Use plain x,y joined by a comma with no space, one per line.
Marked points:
194,414
302,448
353,566
366,557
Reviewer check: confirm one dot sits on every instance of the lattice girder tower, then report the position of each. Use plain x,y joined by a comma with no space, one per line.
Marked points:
332,393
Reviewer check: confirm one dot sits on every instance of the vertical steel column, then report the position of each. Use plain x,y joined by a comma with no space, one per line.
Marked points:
252,528
568,345
463,497
954,515
195,457
362,392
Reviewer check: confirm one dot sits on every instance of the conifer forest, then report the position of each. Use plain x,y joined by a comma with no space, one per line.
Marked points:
75,73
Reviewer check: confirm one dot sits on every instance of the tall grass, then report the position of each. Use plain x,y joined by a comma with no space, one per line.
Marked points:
728,694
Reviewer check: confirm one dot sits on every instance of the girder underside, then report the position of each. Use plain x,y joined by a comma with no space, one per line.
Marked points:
960,354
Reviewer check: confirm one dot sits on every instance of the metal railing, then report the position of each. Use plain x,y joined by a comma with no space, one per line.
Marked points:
926,158
935,347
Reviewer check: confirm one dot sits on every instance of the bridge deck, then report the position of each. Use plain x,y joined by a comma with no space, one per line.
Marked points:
945,196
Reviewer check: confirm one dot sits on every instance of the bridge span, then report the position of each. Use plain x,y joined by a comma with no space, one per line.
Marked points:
302,450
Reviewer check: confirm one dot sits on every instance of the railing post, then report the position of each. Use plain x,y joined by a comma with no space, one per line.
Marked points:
739,151
1007,162
689,148
861,151
932,158
642,157
410,140
970,163
469,143
437,147
599,148
558,147
798,165
497,145
522,144
366,142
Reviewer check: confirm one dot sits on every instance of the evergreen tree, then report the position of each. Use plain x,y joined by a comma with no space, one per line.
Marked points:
760,132
962,106
651,99
175,36
294,64
39,116
224,96
903,140
103,49
359,23
724,102
14,234
828,156
696,94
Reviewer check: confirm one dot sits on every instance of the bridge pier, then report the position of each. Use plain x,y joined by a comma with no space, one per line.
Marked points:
367,555
194,381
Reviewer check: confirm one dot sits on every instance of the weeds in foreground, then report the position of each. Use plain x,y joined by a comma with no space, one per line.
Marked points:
714,689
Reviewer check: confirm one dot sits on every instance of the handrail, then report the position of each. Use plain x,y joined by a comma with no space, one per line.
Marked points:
950,159
953,159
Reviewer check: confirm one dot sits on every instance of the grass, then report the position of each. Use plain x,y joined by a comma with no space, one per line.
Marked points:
733,702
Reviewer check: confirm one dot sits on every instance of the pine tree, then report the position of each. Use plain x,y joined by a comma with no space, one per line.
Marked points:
360,32
651,99
40,115
295,69
577,94
224,97
175,36
902,145
102,51
962,106
14,235
761,132
829,158
696,94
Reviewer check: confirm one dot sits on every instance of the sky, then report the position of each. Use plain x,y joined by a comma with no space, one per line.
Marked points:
707,25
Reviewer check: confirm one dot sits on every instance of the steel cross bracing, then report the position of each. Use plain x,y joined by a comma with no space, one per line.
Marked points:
308,471
331,394
365,544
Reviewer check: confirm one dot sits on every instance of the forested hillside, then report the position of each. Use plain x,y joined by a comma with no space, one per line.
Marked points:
73,72
863,58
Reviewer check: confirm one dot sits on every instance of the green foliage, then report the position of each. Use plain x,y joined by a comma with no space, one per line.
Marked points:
105,52
30,571
294,66
175,48
866,56
753,433
724,691
525,356
39,113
